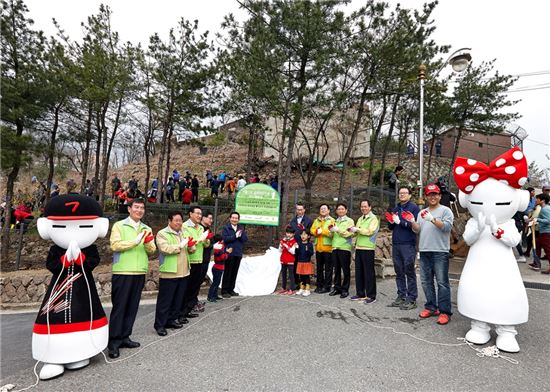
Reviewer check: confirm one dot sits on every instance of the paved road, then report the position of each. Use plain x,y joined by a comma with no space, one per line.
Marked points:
279,344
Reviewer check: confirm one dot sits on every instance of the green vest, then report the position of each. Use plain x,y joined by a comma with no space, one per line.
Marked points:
131,260
339,242
364,241
169,263
189,230
325,224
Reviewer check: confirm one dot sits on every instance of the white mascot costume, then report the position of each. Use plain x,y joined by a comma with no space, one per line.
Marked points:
491,289
71,326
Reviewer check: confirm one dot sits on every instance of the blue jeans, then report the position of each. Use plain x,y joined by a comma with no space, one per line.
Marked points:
216,279
436,264
403,263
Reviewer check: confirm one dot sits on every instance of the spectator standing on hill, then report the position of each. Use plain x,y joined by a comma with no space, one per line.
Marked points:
393,183
170,187
241,183
209,178
116,184
176,175
230,186
221,180
214,187
195,189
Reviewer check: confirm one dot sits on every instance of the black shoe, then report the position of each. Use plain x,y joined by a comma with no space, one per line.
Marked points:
129,343
234,294
174,325
114,353
323,291
344,294
162,332
219,298
182,320
212,300
191,315
317,290
333,293
226,295
397,302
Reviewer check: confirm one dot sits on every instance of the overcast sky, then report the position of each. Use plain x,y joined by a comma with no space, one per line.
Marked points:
514,33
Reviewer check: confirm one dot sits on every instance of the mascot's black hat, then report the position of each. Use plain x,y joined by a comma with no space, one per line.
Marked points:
72,206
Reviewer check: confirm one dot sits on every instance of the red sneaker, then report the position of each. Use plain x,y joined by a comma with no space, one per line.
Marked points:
281,292
443,319
428,313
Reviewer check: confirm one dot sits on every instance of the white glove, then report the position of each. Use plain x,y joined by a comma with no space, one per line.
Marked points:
184,242
533,222
492,221
239,233
203,236
73,251
292,250
333,229
353,229
218,246
481,221
426,215
525,218
396,219
139,237
319,231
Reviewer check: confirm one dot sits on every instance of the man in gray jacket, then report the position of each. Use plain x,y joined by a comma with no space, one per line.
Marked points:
434,225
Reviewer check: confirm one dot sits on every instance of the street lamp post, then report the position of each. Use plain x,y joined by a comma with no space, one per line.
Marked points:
459,61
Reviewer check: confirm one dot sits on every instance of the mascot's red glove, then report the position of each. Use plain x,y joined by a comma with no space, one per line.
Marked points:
389,217
210,235
408,216
148,237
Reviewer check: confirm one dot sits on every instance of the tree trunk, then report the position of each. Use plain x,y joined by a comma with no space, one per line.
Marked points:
107,154
86,152
51,151
455,151
373,141
12,176
356,126
168,152
388,139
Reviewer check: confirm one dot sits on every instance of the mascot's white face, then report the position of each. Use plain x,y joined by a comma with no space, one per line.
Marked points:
492,197
83,231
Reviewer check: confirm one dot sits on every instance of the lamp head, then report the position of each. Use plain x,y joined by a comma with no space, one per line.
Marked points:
460,62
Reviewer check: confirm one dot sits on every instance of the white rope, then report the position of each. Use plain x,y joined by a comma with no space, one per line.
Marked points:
489,351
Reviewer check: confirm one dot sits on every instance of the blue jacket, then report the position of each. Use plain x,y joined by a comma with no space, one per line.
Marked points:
306,222
304,251
231,241
402,233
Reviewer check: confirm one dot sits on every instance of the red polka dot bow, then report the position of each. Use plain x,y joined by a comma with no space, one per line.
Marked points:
509,168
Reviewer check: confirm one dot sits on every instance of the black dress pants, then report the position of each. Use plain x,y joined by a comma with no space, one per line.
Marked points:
365,276
324,270
230,274
125,296
169,300
342,263
193,286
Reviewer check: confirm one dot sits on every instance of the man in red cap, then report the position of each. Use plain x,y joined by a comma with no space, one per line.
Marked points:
433,225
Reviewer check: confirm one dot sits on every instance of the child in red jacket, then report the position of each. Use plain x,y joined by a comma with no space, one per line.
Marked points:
287,247
220,255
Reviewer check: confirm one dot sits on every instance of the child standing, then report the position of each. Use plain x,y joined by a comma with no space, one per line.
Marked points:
304,268
287,247
220,255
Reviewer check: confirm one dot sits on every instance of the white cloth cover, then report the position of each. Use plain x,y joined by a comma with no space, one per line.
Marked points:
258,275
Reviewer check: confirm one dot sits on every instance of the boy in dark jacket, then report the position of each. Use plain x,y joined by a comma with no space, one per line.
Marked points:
221,254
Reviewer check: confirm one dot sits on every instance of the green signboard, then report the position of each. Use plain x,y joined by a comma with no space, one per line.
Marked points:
258,204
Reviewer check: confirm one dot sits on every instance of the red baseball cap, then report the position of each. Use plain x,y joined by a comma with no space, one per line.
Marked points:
432,188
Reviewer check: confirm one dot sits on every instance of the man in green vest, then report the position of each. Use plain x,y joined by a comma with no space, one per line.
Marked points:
341,251
365,232
173,274
131,243
193,230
